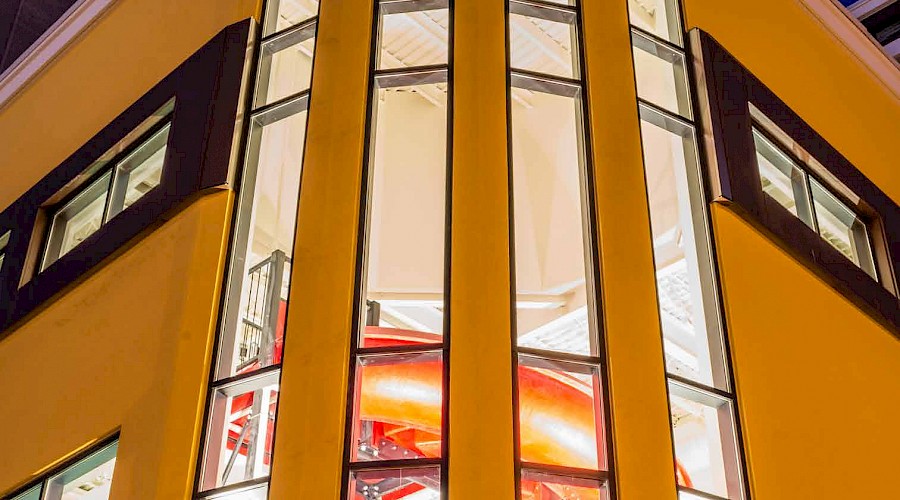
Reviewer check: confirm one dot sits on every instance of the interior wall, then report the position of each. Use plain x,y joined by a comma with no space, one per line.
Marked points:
817,379
128,348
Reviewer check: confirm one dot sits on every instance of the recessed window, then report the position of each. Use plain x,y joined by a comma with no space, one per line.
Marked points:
784,180
4,241
88,478
117,185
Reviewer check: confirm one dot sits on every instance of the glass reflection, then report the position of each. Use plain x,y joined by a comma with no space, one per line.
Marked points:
282,14
705,447
398,406
541,486
404,285
89,479
688,306
552,307
659,17
239,432
396,484
285,64
842,228
660,75
560,414
543,40
782,179
77,220
256,307
410,37
139,172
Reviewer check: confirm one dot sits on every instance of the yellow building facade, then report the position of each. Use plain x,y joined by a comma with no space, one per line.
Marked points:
458,249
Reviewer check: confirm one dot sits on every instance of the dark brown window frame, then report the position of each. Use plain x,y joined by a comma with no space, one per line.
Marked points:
205,127
728,91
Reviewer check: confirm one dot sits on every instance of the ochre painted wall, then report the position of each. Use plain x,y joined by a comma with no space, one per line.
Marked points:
128,348
136,44
817,378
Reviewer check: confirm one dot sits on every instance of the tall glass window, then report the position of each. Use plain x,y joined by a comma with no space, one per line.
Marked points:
243,398
399,409
701,398
562,441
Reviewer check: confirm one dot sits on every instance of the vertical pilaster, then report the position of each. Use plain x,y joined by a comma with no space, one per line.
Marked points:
481,460
638,399
309,438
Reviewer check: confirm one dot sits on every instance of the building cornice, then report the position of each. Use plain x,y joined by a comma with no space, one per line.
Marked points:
854,36
81,16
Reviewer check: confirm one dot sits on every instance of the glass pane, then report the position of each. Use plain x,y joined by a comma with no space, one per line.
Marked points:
842,228
398,405
684,276
543,40
705,448
77,220
552,307
239,432
781,178
541,486
412,37
256,306
404,287
4,241
90,478
282,14
660,74
259,492
659,17
396,484
285,65
31,494
139,172
560,414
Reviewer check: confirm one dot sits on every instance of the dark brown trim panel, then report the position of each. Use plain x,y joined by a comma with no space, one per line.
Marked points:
725,102
204,128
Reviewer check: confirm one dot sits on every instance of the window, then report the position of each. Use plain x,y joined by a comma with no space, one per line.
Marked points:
171,146
118,184
86,478
561,414
236,458
803,196
701,398
4,241
399,377
785,179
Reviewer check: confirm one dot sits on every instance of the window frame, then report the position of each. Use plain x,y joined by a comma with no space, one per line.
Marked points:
207,90
733,102
50,473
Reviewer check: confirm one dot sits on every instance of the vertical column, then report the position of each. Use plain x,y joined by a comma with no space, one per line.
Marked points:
481,461
641,432
701,394
310,444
